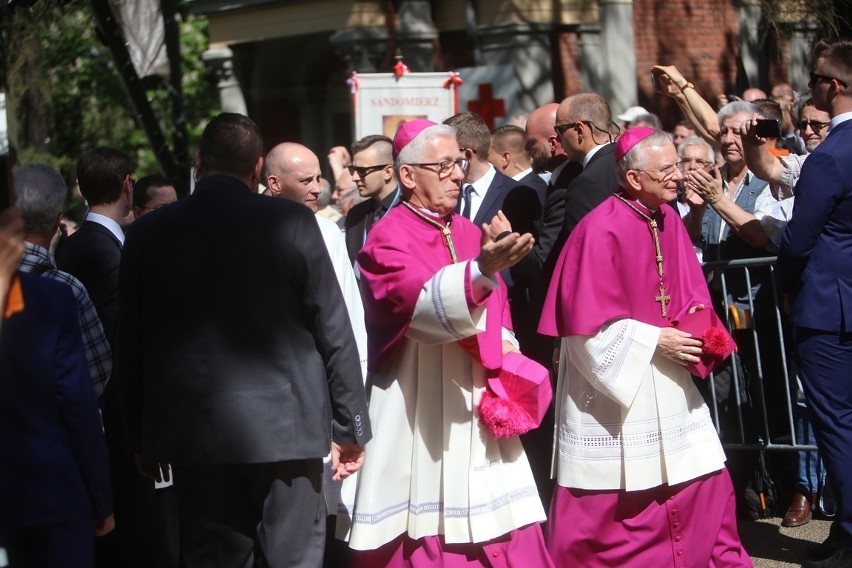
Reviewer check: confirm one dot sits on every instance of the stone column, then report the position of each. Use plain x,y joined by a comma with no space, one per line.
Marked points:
4,129
619,54
802,37
749,15
363,48
417,35
221,60
526,47
593,75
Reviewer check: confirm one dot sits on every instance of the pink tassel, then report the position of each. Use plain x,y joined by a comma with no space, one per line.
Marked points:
503,418
715,342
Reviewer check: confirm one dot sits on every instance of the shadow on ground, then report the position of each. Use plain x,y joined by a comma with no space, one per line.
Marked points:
770,545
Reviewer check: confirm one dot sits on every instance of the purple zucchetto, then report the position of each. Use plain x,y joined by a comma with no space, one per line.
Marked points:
406,133
630,138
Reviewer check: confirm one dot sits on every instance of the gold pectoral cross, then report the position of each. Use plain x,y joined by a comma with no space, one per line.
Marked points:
664,299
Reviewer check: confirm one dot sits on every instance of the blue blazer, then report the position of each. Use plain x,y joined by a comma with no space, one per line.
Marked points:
54,460
815,260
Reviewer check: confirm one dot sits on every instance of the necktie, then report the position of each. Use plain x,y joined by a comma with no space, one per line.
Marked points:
374,216
468,189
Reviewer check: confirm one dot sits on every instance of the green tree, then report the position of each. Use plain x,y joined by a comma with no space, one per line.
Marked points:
65,95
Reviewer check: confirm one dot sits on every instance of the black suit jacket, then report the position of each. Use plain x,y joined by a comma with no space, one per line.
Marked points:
494,197
523,204
534,181
235,345
598,180
534,264
357,222
53,468
93,255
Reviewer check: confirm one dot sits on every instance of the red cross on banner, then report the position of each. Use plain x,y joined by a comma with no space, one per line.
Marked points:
487,106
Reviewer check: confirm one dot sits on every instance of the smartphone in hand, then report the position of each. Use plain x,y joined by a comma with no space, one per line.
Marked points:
767,128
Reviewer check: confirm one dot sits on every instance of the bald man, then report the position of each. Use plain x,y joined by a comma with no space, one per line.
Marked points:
546,152
292,171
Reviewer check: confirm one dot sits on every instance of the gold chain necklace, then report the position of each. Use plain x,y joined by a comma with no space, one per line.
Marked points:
445,229
663,298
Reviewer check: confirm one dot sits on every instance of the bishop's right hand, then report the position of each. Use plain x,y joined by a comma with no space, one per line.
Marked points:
679,346
500,247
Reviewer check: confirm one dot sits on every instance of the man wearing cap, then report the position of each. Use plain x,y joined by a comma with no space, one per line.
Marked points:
438,489
627,117
640,469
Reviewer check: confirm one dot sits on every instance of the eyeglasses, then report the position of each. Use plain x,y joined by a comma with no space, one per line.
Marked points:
699,163
364,171
561,128
668,173
446,167
815,125
818,78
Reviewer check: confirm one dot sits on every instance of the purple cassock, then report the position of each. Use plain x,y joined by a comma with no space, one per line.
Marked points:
401,256
607,272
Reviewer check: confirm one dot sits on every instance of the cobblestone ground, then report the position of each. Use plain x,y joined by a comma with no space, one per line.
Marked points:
773,546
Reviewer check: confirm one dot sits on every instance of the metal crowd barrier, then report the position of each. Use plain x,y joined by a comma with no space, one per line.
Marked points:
767,333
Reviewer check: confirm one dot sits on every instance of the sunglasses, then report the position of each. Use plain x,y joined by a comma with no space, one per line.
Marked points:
364,171
818,78
815,125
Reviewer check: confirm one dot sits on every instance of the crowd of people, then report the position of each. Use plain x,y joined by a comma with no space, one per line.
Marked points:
287,370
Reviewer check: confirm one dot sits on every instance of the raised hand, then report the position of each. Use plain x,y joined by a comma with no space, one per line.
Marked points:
500,247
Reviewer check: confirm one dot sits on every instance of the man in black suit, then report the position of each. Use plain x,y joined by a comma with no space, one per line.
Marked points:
237,361
582,123
374,176
510,155
93,254
523,206
580,181
548,158
484,188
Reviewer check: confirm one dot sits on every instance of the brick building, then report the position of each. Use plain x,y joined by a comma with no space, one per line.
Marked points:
285,63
